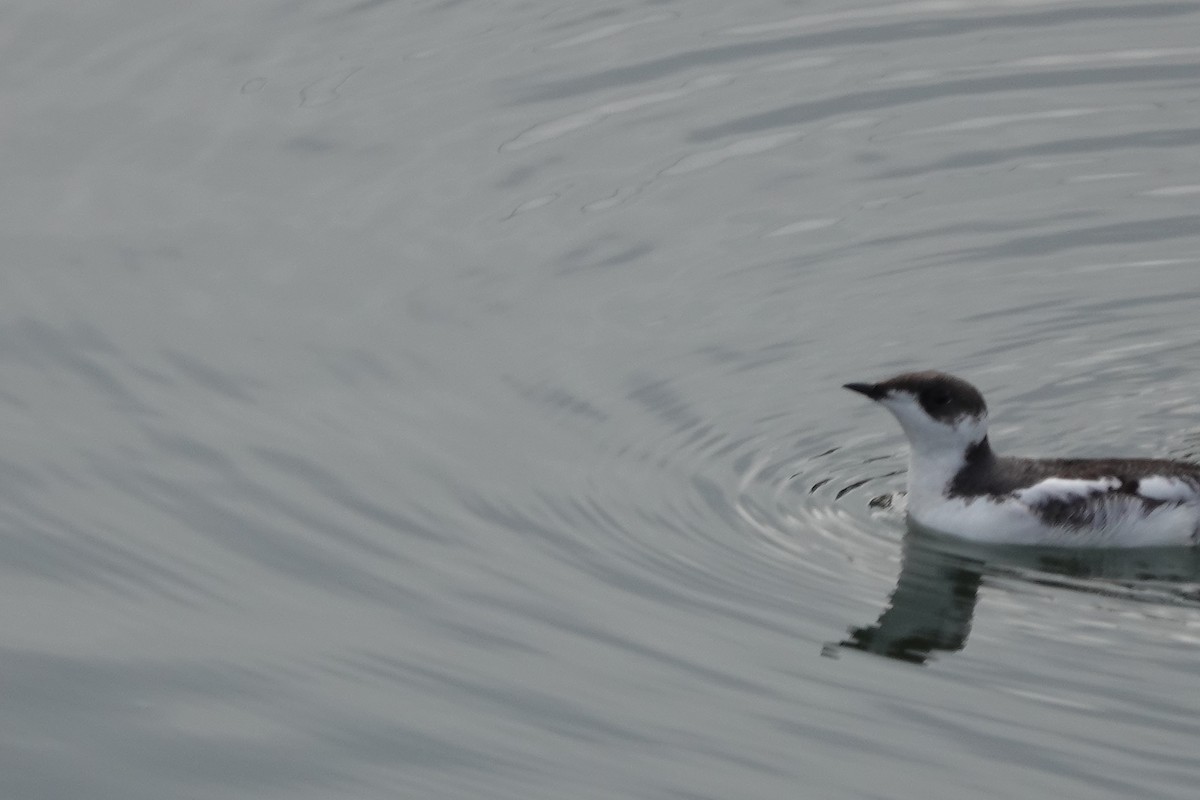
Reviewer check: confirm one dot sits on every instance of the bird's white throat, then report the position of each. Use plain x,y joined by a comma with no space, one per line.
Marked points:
937,449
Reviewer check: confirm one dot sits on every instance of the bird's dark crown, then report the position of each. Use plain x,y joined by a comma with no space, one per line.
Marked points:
944,397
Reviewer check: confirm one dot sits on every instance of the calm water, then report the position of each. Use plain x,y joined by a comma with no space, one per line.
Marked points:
440,399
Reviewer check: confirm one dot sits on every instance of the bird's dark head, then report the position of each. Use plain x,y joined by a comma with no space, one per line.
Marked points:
935,410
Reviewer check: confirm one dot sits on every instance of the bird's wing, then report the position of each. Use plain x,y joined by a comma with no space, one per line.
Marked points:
1077,501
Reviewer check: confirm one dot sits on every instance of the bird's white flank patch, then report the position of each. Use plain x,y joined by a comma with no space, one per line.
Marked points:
1053,489
1167,490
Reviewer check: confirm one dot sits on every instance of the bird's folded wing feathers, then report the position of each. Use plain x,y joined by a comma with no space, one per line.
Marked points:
1153,490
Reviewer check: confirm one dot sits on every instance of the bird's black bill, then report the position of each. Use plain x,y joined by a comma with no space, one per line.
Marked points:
871,390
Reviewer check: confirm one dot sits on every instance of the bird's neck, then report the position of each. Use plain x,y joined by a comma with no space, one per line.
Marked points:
932,470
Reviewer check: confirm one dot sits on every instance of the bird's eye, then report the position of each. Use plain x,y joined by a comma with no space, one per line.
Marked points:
938,398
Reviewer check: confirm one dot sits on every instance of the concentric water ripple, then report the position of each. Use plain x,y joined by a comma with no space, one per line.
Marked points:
694,516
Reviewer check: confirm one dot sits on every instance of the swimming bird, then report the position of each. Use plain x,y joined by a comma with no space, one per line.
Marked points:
958,486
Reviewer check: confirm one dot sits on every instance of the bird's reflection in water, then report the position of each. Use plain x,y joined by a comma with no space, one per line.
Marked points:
934,600
930,608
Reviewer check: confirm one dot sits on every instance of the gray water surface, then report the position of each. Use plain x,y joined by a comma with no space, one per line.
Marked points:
440,399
